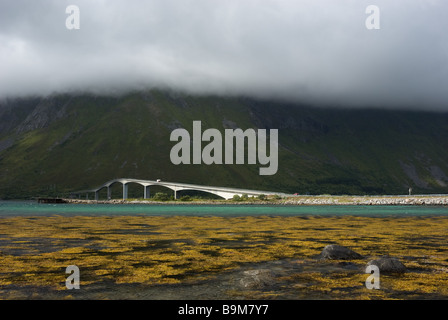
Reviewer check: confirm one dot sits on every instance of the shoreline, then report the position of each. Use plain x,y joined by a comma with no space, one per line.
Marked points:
417,200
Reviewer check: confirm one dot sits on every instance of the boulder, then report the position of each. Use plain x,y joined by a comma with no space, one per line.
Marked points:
257,278
388,264
337,252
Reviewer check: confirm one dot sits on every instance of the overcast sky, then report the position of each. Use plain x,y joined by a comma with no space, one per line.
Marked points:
314,51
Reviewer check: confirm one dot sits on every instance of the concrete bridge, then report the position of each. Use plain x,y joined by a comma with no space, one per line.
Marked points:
224,192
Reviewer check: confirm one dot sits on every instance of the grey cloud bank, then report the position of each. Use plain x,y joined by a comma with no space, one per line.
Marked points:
312,51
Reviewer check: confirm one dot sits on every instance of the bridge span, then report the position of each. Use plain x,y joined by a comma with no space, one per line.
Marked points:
224,192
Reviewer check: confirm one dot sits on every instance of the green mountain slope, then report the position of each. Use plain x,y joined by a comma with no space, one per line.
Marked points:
50,146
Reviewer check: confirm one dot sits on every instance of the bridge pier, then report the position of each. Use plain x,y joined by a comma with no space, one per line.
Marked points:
146,192
125,191
109,193
97,195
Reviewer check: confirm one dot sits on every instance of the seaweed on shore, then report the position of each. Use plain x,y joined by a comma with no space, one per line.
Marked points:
150,252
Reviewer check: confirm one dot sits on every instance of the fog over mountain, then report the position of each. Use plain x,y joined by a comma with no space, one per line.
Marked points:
316,51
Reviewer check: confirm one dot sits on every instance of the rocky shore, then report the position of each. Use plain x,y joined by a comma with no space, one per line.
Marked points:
214,257
370,200
439,200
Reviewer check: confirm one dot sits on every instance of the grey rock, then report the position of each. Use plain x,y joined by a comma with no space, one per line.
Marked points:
337,252
48,110
257,278
388,264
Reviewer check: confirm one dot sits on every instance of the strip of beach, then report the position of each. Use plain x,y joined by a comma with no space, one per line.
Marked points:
414,200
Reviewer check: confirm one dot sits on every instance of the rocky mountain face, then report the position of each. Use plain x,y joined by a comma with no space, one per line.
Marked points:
53,145
46,111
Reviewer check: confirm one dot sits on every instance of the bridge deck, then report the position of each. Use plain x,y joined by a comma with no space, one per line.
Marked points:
225,192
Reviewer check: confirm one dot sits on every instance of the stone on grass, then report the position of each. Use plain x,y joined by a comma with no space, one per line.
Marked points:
388,264
257,278
337,252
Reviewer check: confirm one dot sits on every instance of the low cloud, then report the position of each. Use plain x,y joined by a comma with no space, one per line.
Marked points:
312,51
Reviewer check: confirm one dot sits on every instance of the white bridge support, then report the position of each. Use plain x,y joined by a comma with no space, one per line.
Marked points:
224,192
146,192
125,190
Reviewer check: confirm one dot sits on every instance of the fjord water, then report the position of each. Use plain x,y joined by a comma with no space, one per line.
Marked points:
32,208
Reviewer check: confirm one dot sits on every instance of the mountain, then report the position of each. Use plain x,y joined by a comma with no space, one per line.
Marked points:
57,144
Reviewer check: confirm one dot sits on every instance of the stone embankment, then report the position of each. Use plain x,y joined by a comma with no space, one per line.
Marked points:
170,202
298,200
369,201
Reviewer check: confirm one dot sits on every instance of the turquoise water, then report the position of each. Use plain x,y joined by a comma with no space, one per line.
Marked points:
32,208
